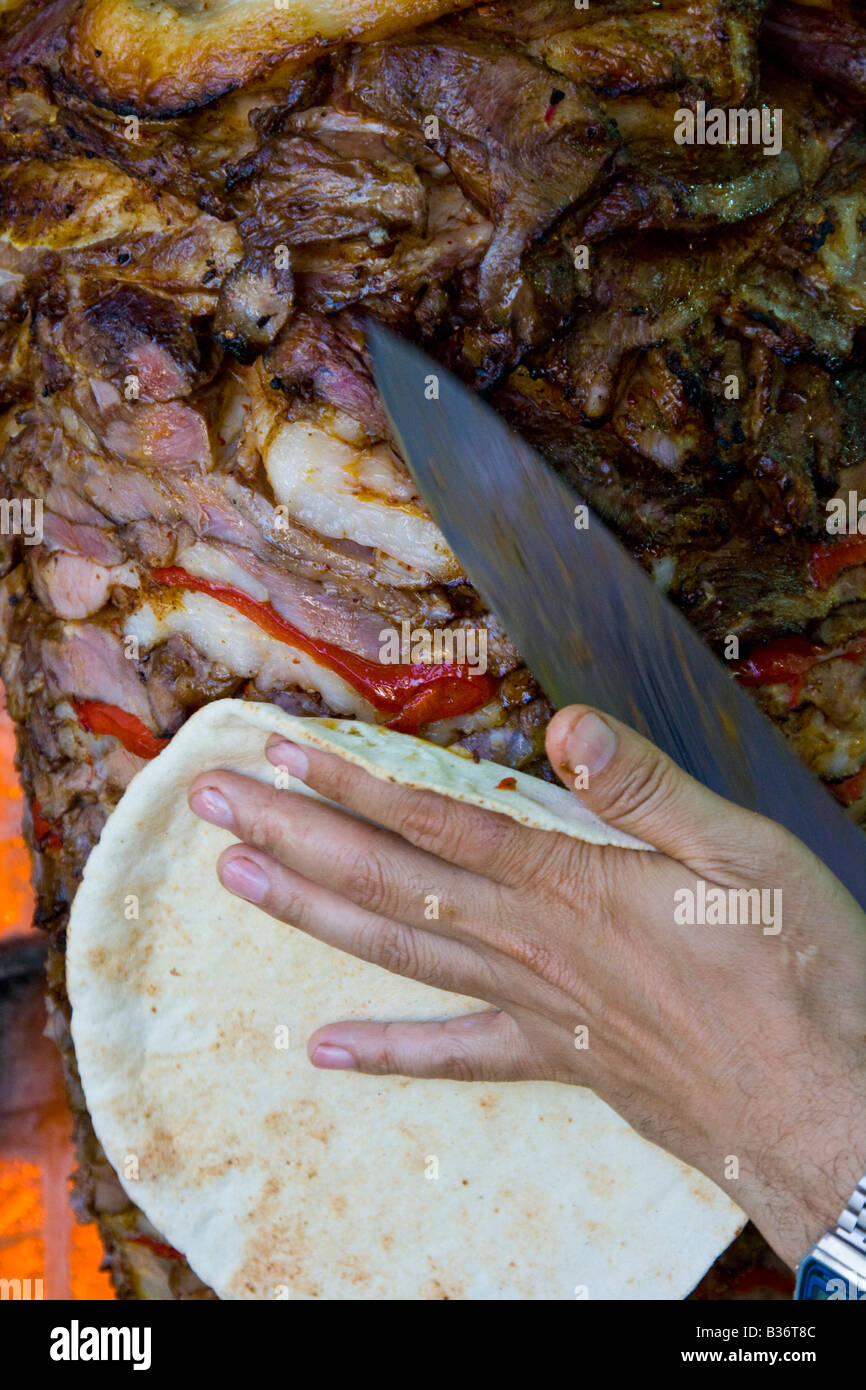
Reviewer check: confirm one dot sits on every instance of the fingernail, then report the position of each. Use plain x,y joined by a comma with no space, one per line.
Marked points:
212,806
334,1058
289,756
591,744
246,879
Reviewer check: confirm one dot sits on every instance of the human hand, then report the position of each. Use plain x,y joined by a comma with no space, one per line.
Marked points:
736,1047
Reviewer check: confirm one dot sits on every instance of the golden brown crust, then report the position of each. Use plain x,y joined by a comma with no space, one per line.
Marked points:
160,59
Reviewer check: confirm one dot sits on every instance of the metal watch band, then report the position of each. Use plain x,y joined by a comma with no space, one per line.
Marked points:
852,1222
836,1267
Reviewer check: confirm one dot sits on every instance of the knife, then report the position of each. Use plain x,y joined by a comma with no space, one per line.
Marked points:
586,618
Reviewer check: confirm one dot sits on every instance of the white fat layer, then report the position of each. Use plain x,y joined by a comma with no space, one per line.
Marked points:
444,730
832,752
393,573
207,562
346,428
227,637
363,494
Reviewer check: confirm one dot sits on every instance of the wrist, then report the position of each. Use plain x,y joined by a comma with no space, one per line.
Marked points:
804,1184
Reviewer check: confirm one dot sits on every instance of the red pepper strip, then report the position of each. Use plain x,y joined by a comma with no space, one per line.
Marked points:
158,1247
415,693
827,561
790,660
785,662
99,718
851,789
46,835
441,700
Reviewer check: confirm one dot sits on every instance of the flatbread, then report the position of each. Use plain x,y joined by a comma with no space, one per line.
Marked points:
191,1013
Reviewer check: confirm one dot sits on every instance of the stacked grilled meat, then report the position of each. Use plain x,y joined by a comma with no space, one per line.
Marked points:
189,400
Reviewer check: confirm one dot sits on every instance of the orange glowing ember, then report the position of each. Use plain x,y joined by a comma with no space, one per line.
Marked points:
16,895
43,1253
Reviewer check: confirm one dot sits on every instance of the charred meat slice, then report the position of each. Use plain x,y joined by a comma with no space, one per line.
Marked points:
827,43
522,148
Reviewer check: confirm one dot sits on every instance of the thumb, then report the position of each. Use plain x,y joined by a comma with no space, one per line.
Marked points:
632,785
486,1046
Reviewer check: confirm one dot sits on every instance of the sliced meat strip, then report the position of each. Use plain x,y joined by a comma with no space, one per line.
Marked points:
325,354
88,662
131,332
521,156
73,586
321,610
827,46
167,435
76,538
231,641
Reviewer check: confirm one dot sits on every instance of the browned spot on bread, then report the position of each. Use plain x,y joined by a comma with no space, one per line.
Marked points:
160,1157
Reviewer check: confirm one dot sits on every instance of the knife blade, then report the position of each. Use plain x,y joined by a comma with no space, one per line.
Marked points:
588,621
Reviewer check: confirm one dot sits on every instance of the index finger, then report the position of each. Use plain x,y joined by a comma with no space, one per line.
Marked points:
481,841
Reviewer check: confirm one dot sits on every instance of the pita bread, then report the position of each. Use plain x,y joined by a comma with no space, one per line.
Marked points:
191,1013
